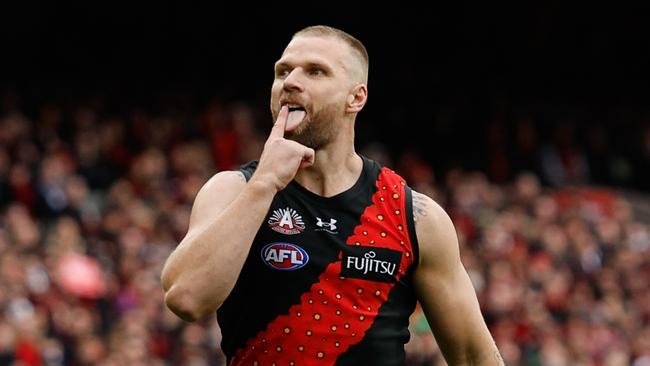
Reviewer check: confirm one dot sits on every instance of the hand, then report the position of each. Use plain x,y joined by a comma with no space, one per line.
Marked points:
282,158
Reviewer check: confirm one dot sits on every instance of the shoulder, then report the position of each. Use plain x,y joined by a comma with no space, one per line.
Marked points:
427,212
221,187
225,179
435,231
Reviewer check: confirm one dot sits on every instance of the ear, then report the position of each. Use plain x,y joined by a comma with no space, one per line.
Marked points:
357,98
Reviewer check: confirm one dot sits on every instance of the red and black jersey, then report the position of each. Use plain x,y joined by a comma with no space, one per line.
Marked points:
327,281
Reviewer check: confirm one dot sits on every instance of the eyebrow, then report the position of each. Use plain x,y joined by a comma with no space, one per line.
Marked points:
280,64
307,64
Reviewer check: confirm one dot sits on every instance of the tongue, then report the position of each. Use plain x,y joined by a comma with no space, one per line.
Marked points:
294,119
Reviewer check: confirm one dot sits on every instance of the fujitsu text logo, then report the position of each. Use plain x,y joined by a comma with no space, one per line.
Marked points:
284,256
374,264
369,264
286,221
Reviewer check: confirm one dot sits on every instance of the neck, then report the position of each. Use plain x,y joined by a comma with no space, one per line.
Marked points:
336,168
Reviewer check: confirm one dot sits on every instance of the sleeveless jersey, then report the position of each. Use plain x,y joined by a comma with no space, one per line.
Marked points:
327,281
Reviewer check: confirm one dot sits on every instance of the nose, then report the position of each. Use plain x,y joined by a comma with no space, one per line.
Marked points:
292,82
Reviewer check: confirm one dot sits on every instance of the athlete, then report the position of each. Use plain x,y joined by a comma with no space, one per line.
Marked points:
315,255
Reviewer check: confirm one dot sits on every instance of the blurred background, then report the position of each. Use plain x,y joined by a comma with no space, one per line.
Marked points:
529,124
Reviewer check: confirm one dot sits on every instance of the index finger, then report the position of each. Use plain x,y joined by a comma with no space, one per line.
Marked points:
280,123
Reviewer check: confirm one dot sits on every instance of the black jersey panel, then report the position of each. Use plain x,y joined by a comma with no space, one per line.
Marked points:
411,223
302,234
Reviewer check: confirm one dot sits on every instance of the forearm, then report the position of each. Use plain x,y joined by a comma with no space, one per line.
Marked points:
203,269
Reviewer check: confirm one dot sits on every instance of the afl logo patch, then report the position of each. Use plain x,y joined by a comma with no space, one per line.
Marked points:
286,221
284,256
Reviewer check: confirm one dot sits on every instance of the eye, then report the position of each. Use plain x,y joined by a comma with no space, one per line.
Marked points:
282,72
316,71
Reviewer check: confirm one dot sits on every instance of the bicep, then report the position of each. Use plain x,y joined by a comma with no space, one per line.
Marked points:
445,290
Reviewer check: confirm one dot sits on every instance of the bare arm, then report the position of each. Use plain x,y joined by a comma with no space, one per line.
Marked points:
446,292
202,271
227,213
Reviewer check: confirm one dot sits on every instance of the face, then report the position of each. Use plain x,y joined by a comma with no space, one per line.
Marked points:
313,77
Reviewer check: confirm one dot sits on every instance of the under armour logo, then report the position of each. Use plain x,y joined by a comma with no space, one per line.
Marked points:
326,226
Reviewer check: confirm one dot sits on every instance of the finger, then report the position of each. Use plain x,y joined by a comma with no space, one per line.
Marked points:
280,123
307,158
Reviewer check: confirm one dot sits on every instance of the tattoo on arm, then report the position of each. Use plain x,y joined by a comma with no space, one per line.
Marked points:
419,205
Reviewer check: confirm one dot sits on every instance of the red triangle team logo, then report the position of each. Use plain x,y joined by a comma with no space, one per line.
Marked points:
286,221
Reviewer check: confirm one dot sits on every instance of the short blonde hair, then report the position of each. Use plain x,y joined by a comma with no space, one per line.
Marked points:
355,44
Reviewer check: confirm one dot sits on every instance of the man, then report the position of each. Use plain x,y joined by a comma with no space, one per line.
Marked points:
316,255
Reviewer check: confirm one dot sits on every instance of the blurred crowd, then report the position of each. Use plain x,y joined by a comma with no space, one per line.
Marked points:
92,203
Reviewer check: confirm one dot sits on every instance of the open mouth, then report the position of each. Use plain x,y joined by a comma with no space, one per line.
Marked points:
296,108
296,116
